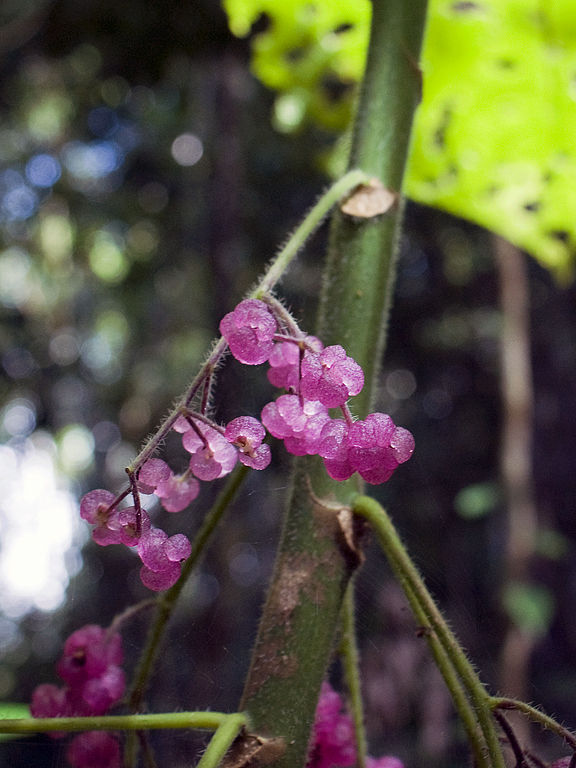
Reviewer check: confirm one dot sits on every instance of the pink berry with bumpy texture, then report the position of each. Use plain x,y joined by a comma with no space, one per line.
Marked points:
177,492
153,472
284,417
177,548
334,742
330,377
213,456
247,433
94,506
94,749
284,361
402,444
158,581
49,701
249,331
127,523
100,693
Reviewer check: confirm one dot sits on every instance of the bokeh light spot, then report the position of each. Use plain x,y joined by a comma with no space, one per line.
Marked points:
187,149
75,448
43,170
18,417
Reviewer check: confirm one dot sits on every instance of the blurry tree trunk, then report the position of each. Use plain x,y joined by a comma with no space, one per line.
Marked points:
516,462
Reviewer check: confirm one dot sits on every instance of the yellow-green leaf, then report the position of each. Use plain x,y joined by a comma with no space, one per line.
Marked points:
495,134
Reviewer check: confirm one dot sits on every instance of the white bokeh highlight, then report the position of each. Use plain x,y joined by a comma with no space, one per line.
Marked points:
40,530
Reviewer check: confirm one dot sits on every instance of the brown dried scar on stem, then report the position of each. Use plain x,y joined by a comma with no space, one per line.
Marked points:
347,522
369,200
251,750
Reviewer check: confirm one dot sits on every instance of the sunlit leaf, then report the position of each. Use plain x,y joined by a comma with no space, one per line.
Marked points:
494,134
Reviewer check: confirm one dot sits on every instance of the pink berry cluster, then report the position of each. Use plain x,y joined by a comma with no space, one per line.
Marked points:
333,742
94,682
161,555
316,379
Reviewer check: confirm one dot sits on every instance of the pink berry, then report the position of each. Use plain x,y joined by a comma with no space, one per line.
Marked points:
94,749
247,434
177,548
128,525
100,693
330,377
249,331
49,701
158,581
153,472
88,652
151,549
258,459
245,431
334,742
94,506
177,492
402,444
284,363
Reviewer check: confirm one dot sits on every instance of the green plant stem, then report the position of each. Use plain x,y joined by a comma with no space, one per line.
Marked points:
461,702
167,601
221,741
314,564
351,663
545,721
309,225
435,624
209,721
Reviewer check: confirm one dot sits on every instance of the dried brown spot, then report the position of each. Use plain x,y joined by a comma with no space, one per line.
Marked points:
250,750
369,200
349,529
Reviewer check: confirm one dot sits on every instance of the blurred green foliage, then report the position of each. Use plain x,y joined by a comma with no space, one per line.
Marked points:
531,607
494,135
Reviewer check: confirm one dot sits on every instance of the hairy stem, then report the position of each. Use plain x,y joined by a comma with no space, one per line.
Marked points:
314,562
351,663
221,741
545,721
420,598
208,721
167,601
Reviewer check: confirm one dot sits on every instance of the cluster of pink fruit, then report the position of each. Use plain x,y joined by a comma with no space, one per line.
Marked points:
333,738
94,682
315,379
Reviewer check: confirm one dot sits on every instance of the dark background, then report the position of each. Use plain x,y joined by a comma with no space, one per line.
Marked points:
123,80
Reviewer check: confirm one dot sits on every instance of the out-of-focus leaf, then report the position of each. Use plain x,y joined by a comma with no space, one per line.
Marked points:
8,711
494,136
477,500
530,607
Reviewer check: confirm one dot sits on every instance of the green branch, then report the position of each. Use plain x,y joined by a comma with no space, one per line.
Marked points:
167,602
208,721
351,664
314,563
447,651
